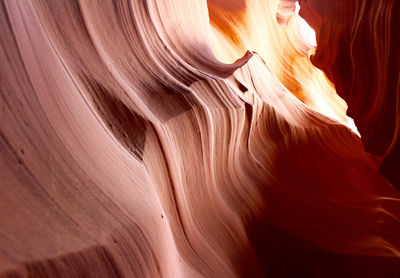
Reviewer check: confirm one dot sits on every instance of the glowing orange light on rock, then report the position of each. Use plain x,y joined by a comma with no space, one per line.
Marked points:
285,48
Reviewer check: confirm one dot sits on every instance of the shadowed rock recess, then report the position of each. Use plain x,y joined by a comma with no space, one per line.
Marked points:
194,138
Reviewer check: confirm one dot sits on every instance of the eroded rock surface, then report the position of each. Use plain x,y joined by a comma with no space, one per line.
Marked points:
168,139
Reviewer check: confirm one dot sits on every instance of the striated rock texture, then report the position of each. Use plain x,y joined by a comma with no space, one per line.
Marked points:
358,49
160,138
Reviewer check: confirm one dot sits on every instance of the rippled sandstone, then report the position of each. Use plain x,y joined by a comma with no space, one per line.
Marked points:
196,139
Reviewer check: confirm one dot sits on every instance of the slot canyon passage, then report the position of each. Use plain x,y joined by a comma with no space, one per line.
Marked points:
194,138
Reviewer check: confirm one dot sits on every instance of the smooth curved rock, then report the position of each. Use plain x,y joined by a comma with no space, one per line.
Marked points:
358,50
133,146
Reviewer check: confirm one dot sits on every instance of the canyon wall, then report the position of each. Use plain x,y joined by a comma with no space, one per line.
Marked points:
165,138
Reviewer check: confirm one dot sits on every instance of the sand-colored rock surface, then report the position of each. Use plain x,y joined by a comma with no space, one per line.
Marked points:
194,138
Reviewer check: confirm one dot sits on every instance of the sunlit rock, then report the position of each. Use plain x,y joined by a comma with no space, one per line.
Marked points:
196,139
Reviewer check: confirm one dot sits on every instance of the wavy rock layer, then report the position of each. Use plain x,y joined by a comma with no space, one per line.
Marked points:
358,49
130,150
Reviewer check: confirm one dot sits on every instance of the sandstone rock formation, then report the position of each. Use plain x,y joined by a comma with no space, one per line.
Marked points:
358,49
194,138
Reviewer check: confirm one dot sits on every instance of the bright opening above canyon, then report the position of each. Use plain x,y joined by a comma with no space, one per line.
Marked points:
195,138
284,46
305,32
